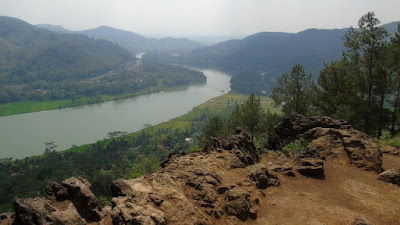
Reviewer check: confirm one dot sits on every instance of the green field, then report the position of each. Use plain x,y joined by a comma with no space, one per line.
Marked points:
36,106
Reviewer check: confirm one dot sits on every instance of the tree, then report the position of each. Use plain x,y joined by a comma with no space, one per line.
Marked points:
293,92
335,94
252,113
215,127
366,53
394,60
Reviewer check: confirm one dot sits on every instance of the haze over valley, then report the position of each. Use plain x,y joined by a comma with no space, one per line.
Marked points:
199,112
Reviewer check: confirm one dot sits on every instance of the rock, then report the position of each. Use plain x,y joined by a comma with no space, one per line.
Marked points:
239,208
262,176
333,139
6,218
311,167
238,203
290,127
361,221
346,146
391,176
240,144
390,150
80,194
236,193
56,191
124,211
40,211
284,168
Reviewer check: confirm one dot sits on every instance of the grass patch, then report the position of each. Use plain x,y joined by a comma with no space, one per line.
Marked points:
14,108
296,146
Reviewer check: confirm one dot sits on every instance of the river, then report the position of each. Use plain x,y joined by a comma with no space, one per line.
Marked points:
25,134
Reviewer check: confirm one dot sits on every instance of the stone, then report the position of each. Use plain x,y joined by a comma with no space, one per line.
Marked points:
391,176
390,150
262,176
40,211
80,194
330,138
311,167
239,208
361,221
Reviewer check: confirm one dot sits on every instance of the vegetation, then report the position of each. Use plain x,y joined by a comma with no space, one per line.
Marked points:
120,156
250,115
294,91
40,68
362,87
296,146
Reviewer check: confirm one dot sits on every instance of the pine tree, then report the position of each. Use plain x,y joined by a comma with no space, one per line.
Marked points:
293,91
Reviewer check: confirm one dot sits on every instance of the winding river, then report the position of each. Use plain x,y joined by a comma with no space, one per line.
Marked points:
25,135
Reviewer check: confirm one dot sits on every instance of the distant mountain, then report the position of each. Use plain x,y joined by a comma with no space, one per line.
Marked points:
257,60
134,43
55,28
29,54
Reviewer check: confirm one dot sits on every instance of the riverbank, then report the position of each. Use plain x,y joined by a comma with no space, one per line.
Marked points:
101,162
16,108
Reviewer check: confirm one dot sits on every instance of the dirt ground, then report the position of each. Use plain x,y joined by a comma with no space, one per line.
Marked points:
346,193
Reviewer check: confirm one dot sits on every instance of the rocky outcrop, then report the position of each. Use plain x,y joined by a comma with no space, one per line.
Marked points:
42,211
188,189
333,139
238,203
80,194
263,177
291,127
70,203
391,176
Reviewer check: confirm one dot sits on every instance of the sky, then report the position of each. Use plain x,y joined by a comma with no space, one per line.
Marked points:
183,18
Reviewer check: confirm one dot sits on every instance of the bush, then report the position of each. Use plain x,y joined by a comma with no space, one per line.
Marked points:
296,146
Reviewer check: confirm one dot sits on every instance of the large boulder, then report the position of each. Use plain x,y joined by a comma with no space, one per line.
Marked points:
41,211
391,176
262,176
291,127
333,139
80,194
238,203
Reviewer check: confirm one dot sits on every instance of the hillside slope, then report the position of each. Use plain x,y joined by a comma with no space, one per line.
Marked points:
257,60
229,183
30,54
133,42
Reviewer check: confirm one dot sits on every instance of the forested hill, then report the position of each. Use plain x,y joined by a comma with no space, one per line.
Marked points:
257,60
134,42
30,54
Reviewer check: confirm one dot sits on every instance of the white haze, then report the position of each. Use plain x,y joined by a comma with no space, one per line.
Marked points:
183,18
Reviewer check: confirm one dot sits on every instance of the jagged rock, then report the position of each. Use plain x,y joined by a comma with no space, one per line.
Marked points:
334,139
124,211
238,203
6,218
361,221
263,176
390,150
80,194
284,168
56,191
391,176
240,144
346,147
40,211
311,167
289,128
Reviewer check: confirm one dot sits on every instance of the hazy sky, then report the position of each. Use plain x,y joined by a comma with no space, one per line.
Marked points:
200,17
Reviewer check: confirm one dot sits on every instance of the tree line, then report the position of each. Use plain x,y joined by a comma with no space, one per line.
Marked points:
363,87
